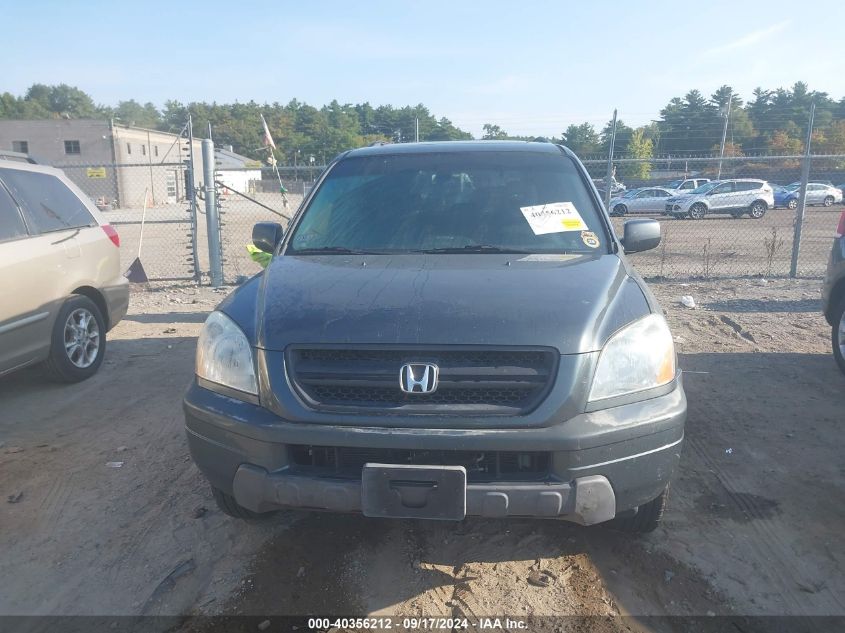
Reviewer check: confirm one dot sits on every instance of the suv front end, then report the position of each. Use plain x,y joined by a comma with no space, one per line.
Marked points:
443,382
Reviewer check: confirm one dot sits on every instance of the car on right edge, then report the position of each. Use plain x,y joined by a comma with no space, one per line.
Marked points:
732,197
833,294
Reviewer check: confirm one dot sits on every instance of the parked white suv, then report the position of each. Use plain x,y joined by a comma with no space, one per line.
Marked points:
731,197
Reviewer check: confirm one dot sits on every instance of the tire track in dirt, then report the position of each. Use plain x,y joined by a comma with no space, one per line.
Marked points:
771,554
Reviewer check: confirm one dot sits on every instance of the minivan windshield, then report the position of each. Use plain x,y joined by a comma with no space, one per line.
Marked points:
462,202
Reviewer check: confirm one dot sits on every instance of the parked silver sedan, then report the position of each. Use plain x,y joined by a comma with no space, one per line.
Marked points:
645,200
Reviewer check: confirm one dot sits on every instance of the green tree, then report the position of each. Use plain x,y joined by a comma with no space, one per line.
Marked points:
623,138
133,113
639,146
493,132
581,139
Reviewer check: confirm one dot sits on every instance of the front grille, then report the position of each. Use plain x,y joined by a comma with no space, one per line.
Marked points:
471,381
346,463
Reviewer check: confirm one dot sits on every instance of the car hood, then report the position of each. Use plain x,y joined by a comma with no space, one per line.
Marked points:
571,303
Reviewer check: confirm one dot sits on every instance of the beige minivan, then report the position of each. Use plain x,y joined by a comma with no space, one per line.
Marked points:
61,287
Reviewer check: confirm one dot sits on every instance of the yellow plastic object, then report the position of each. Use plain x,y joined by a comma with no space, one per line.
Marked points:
258,255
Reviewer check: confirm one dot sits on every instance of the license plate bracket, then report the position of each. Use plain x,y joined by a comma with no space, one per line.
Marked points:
403,491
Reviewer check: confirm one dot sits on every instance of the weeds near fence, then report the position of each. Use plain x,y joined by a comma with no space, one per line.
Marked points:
707,259
663,252
772,246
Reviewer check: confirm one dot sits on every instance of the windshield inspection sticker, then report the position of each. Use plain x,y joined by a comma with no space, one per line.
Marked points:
554,217
589,238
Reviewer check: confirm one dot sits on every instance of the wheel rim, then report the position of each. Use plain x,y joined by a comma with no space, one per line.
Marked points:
828,201
757,210
792,204
82,338
841,341
696,212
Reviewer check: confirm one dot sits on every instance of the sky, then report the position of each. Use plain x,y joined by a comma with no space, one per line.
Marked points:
531,67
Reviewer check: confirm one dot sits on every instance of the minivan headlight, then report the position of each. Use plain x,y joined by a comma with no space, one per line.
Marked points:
639,356
224,356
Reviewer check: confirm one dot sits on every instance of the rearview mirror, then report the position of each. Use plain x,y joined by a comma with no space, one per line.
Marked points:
267,236
641,235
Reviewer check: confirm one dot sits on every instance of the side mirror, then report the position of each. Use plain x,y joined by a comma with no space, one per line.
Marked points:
641,235
267,236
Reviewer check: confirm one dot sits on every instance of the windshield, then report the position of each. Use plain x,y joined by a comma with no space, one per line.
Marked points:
674,184
631,193
707,186
451,202
792,187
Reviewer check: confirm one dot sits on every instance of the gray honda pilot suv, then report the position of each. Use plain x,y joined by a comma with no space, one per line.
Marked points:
445,329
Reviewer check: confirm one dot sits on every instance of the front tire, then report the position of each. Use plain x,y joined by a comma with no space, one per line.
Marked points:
229,506
792,204
78,343
828,201
620,209
697,211
757,209
647,518
838,334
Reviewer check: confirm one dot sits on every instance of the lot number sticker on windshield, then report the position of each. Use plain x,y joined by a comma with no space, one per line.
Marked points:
554,217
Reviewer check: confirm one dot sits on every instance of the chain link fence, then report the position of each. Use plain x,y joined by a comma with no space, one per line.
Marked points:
744,226
734,217
149,207
239,210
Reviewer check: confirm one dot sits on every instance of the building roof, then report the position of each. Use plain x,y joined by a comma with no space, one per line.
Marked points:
227,159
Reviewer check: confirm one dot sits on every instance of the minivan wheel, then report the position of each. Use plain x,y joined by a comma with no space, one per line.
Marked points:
757,209
79,341
828,201
838,334
228,505
647,518
620,209
792,204
697,211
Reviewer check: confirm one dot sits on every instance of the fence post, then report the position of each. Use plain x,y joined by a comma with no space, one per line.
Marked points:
190,192
211,216
802,197
607,179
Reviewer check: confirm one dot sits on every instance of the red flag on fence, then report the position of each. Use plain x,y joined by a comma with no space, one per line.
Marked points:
268,140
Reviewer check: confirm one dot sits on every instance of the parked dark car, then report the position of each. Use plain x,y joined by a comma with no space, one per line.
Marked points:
833,293
446,329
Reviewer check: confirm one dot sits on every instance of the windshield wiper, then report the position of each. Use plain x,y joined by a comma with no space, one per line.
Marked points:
475,248
332,250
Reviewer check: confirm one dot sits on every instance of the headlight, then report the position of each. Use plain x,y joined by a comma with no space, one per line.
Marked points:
224,356
639,356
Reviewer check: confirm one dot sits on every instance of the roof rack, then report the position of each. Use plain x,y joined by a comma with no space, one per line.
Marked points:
18,156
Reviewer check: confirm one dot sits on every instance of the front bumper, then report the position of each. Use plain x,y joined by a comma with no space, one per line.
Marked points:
601,463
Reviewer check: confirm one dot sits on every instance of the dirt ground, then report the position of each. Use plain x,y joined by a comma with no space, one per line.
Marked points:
753,528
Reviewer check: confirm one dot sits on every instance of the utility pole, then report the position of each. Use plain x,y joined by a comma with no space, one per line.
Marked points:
417,130
607,179
725,134
802,197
